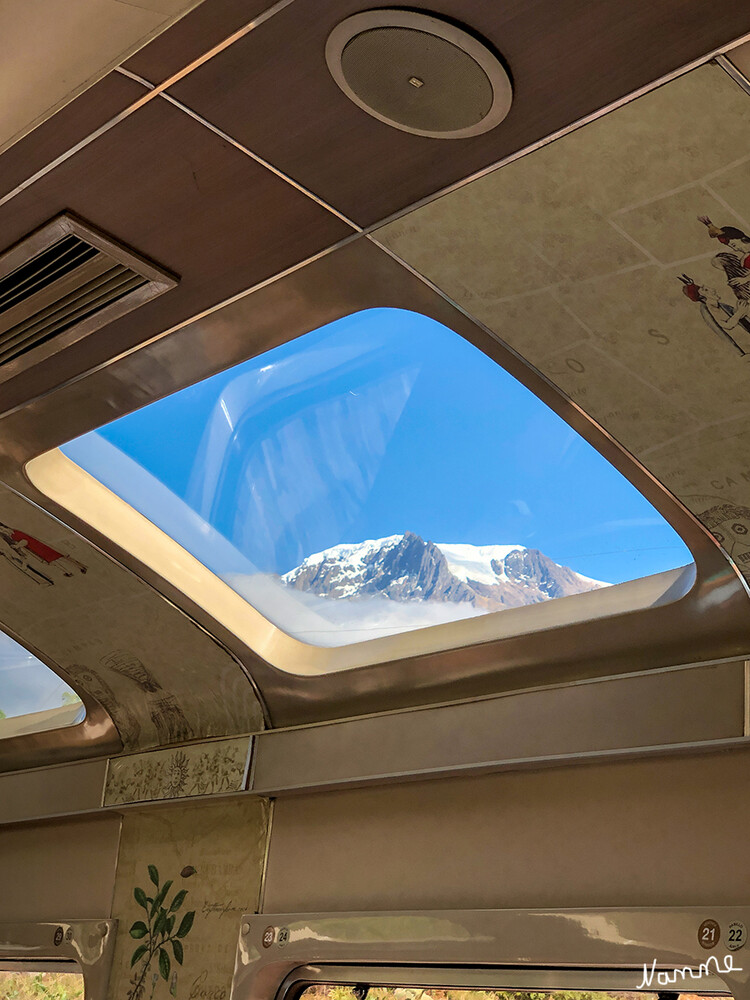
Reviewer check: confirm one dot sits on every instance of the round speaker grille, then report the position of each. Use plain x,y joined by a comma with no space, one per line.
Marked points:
418,73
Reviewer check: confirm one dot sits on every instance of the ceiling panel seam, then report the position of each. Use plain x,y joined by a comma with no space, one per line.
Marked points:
260,160
739,77
243,149
134,76
160,89
716,55
147,97
371,237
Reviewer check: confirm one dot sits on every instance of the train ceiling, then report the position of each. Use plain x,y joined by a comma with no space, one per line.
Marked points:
224,152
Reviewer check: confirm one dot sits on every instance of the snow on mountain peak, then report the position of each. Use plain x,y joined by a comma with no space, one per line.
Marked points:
353,553
406,568
474,562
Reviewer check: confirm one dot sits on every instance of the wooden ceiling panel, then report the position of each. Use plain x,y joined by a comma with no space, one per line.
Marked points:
74,122
189,38
53,51
272,91
177,193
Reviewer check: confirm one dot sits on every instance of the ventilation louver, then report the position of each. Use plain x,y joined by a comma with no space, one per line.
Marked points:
65,281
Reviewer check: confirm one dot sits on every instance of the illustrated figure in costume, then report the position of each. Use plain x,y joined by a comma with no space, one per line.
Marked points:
737,241
33,557
727,315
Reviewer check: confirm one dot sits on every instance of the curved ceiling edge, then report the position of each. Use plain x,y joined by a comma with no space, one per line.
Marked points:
707,623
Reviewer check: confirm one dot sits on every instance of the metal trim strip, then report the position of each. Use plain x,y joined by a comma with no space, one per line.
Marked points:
88,943
731,70
512,948
522,978
653,713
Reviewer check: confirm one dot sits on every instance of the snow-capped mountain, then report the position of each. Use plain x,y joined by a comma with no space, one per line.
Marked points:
406,568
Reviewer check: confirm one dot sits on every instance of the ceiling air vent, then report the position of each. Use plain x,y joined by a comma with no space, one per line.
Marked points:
63,282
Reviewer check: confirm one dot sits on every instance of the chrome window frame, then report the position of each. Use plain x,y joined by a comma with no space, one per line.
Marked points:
62,480
539,978
499,949
86,945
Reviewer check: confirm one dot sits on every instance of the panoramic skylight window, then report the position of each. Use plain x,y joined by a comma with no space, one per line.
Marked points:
379,475
32,697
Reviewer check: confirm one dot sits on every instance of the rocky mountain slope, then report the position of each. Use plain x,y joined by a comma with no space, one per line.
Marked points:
406,568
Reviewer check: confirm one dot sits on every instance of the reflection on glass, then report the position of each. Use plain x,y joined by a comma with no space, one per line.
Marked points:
30,689
377,475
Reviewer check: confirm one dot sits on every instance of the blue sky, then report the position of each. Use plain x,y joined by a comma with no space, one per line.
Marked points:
379,423
26,684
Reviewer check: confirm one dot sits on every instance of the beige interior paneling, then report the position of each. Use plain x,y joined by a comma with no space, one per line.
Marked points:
652,710
213,852
573,256
647,833
29,794
58,871
53,51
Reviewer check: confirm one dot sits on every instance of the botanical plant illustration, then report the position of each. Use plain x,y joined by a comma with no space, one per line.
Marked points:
172,774
157,931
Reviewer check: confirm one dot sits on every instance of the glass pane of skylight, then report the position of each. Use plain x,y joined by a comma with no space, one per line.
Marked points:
32,697
377,475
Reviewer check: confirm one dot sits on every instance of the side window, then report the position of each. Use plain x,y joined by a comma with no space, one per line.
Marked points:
24,984
363,991
33,698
